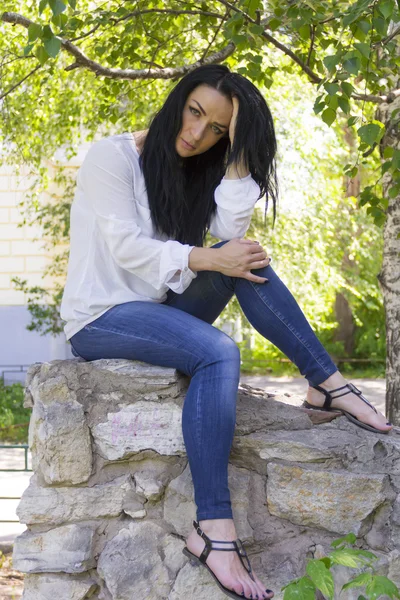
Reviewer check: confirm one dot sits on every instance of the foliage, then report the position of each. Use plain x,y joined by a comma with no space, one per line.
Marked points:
13,413
77,70
86,56
319,575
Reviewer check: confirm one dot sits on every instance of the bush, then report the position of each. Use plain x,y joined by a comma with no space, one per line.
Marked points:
14,418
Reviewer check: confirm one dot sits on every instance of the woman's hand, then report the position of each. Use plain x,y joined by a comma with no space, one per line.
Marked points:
238,256
232,124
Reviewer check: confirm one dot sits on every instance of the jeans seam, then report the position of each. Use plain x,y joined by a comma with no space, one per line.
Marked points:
294,332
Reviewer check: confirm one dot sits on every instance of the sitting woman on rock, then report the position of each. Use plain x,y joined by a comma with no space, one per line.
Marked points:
142,286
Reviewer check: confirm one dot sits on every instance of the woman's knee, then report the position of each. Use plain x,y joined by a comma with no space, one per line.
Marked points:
224,349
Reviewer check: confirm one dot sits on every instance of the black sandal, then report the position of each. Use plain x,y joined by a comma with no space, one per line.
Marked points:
328,400
237,546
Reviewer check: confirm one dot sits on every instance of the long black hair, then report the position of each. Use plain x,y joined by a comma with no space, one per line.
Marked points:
181,190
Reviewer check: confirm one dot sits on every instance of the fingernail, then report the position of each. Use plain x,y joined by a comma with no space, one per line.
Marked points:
266,281
269,591
388,423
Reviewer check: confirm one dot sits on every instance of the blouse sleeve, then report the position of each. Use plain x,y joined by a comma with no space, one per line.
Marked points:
107,181
235,200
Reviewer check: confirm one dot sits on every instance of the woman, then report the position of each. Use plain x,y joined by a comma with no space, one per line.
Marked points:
141,285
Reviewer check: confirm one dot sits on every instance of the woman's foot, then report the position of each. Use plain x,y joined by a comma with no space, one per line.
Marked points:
226,566
350,402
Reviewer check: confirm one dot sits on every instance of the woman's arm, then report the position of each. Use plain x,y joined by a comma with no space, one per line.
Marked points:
106,181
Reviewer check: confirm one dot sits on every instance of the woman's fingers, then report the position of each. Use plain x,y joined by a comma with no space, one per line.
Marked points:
254,278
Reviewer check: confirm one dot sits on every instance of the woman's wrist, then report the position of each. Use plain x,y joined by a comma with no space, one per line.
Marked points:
237,170
203,259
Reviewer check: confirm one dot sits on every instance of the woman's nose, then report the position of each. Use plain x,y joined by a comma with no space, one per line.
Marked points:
198,132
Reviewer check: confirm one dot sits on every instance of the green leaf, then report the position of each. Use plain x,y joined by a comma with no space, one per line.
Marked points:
344,105
318,106
72,3
364,49
250,6
381,586
256,29
394,191
53,46
304,32
57,7
28,48
47,33
321,577
352,121
42,6
352,65
349,18
388,152
385,8
331,61
386,166
60,21
41,55
380,25
274,24
304,589
34,31
331,88
358,581
364,25
239,38
371,133
328,116
347,88
353,172
348,557
332,102
396,159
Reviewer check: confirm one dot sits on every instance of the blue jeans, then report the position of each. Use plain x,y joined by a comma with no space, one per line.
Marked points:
179,333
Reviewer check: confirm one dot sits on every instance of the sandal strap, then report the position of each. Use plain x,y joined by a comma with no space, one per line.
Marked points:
351,389
237,546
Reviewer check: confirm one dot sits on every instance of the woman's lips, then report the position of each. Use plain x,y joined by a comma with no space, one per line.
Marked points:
188,146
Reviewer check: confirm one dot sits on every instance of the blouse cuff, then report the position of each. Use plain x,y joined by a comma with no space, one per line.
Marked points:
174,266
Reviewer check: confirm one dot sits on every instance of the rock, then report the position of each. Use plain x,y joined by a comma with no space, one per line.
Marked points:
111,500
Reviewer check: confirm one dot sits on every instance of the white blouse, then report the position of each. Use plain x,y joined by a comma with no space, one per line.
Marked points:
115,256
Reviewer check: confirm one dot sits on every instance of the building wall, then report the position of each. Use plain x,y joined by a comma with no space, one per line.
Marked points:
23,256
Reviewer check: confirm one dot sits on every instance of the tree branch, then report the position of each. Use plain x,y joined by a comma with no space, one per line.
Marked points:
391,96
313,76
83,61
12,88
168,73
171,11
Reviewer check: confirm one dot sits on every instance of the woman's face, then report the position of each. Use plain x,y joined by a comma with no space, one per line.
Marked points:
205,120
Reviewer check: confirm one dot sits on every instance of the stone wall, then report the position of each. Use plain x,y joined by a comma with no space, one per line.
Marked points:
110,502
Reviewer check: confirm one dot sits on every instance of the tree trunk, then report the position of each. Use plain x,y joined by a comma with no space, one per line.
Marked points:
346,329
389,277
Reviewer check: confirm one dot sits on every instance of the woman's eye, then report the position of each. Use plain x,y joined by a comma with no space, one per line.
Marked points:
216,130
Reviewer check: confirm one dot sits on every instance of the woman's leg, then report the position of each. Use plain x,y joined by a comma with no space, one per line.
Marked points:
275,314
162,335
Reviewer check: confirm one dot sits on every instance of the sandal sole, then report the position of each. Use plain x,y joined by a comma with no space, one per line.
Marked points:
195,560
350,417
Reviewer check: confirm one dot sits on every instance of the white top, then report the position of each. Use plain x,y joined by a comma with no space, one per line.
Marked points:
115,256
